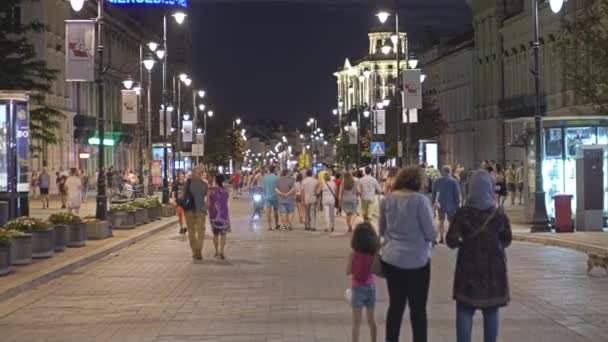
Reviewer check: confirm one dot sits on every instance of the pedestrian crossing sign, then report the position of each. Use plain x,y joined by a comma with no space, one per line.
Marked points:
377,149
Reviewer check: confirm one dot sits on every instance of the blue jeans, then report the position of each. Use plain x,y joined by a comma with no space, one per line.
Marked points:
464,323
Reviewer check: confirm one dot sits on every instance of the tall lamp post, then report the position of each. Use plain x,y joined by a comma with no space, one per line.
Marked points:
540,218
179,18
101,210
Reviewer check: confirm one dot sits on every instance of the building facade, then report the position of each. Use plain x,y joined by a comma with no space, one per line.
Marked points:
448,67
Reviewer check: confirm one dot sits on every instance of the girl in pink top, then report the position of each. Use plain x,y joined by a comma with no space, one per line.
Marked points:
365,245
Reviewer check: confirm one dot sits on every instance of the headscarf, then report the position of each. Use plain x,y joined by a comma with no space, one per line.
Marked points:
481,191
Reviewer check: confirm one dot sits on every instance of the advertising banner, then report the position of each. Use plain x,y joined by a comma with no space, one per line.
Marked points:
198,150
412,89
187,131
161,123
156,172
352,135
380,122
80,50
410,115
129,106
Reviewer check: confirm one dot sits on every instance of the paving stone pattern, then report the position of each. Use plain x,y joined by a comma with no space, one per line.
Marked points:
285,286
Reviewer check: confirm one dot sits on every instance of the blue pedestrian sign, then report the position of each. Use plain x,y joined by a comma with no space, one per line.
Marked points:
377,149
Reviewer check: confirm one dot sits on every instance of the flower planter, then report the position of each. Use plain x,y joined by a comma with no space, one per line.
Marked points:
167,211
98,230
154,213
77,235
43,243
21,250
5,258
146,216
122,219
61,237
140,217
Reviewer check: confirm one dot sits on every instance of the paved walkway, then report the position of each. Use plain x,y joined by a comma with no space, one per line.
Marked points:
285,286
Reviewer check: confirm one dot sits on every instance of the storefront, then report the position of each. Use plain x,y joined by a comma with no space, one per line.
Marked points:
562,140
428,153
14,152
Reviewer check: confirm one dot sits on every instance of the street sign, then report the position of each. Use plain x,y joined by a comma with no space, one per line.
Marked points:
198,150
377,149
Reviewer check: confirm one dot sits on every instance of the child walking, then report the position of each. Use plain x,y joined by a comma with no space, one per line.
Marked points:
364,244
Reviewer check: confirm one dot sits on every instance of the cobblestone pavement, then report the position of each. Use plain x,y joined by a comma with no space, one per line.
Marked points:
285,286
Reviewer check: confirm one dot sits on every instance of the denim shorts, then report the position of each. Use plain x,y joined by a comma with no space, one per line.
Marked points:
286,207
364,296
272,203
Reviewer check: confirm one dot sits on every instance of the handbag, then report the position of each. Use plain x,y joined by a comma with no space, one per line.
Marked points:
376,266
187,202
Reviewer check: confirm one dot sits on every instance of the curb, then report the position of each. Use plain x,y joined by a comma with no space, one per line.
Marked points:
550,241
72,265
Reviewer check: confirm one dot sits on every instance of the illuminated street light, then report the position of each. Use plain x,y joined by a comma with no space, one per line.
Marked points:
201,107
77,5
187,82
386,102
238,121
210,113
183,77
412,62
179,17
366,73
160,54
556,5
386,49
149,63
366,113
201,93
152,46
422,78
128,83
383,16
335,112
186,117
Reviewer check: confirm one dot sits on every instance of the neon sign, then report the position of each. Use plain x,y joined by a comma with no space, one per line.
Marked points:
182,3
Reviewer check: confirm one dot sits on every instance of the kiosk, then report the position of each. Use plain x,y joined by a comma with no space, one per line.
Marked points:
14,152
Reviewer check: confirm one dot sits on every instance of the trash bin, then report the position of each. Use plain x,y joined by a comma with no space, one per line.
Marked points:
563,213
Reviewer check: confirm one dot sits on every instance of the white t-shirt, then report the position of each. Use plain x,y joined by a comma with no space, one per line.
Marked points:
329,196
309,187
368,186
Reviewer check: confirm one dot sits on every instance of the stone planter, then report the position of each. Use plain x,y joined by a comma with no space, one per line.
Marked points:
5,259
61,237
122,220
77,235
140,217
167,211
146,216
154,213
98,230
43,243
21,250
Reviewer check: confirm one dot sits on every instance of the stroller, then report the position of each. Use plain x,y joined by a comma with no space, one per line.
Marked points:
257,196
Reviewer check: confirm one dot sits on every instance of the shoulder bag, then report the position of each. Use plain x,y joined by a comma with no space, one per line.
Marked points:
187,201
333,194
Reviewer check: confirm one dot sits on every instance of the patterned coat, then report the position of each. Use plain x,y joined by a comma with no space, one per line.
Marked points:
480,280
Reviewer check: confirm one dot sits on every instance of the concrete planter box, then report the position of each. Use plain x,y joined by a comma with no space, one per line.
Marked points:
140,217
77,235
122,220
167,211
145,214
21,250
154,213
61,237
5,259
43,243
98,230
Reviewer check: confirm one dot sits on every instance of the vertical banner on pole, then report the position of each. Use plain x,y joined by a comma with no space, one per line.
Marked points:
399,149
156,171
410,115
380,122
80,50
412,89
129,106
200,138
352,135
161,123
187,131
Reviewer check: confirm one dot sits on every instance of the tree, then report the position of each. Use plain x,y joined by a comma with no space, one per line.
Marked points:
21,70
583,45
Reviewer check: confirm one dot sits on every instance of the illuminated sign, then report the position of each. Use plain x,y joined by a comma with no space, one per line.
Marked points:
106,141
182,3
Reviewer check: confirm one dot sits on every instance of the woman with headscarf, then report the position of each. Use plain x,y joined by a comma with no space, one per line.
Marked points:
480,231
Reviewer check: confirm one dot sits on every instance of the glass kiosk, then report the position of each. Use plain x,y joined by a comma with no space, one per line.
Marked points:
14,152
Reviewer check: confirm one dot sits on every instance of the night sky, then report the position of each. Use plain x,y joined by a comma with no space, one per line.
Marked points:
275,59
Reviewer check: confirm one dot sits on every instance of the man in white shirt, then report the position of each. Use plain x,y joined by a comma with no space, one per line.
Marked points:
368,187
309,191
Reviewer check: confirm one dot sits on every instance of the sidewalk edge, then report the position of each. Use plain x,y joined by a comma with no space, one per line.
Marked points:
73,265
575,245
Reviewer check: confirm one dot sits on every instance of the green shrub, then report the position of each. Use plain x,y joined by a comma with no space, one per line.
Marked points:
27,224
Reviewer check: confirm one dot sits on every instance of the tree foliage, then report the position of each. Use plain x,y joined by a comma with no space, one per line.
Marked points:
20,69
583,43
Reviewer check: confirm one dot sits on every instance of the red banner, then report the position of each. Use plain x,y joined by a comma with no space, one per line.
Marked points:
156,170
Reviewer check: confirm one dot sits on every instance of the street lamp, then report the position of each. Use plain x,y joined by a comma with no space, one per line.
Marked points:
201,107
412,61
386,49
149,63
238,121
128,83
386,102
179,17
160,54
540,219
210,113
201,93
334,112
152,46
383,16
77,5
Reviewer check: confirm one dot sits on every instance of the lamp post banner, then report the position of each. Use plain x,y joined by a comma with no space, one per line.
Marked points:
129,106
162,123
80,52
412,89
410,115
187,131
352,135
380,122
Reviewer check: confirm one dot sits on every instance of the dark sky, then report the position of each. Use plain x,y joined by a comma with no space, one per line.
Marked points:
276,58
